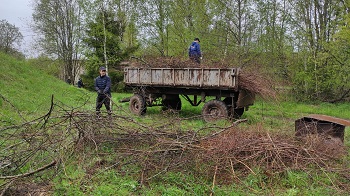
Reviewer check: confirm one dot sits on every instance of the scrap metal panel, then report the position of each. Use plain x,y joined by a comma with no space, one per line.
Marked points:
182,77
167,77
321,124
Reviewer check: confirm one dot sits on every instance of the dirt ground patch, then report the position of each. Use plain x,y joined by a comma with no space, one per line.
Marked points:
25,188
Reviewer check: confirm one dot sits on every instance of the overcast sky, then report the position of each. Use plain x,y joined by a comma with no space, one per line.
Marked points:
18,13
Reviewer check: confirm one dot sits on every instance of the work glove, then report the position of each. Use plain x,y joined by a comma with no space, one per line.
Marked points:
100,91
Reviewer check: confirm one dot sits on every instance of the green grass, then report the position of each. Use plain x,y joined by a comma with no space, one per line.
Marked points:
26,92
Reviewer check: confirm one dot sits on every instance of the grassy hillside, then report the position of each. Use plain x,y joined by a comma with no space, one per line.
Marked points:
161,153
26,91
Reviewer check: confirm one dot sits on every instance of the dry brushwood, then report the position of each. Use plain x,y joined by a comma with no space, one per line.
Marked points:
158,148
174,62
30,173
64,131
257,83
238,149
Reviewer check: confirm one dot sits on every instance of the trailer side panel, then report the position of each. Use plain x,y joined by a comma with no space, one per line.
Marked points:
182,77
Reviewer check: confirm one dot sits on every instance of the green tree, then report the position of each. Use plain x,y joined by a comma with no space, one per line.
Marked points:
10,37
316,25
153,20
110,39
274,40
111,36
337,87
233,29
58,23
188,19
103,37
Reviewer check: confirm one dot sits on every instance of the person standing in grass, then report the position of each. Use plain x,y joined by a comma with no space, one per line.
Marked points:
194,51
80,83
103,89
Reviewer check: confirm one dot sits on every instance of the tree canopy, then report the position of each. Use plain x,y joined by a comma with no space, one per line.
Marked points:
10,37
303,43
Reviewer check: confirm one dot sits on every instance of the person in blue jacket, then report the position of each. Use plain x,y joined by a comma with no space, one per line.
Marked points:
80,83
194,51
103,89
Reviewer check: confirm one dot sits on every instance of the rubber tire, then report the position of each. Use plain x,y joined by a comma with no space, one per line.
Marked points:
137,105
214,110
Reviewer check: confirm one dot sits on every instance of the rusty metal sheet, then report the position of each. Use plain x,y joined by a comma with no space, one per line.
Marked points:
182,77
321,124
330,119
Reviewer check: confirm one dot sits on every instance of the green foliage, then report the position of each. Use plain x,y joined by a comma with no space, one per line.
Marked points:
10,37
47,65
296,48
89,77
105,37
322,70
324,78
117,78
60,29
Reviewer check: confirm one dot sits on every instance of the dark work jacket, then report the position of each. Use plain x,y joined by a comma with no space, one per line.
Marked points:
80,84
194,50
103,84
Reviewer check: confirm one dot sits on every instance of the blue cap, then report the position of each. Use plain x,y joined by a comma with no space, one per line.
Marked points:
102,68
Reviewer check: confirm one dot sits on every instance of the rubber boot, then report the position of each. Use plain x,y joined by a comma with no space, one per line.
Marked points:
98,114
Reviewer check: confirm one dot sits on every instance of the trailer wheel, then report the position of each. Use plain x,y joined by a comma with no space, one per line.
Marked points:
137,105
214,110
237,112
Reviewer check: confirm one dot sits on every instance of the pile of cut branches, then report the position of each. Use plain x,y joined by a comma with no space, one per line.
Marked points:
174,62
258,83
155,148
238,149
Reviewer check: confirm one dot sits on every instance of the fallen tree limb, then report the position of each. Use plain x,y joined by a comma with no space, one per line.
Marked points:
7,187
30,173
226,128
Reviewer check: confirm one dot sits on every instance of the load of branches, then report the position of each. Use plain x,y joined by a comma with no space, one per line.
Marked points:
156,148
176,62
249,78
